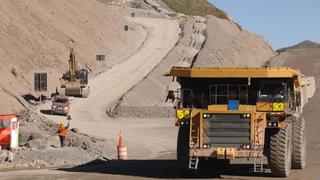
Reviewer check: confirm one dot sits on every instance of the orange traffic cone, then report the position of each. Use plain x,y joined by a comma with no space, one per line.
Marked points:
122,149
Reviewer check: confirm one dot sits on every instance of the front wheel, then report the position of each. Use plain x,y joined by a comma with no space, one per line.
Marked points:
281,152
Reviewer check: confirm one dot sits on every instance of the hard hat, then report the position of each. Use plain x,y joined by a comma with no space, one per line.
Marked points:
61,125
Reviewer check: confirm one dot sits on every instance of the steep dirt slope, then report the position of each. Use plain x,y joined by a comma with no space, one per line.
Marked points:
37,35
308,61
228,44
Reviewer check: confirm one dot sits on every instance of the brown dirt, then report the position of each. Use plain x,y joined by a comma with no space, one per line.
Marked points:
228,44
36,36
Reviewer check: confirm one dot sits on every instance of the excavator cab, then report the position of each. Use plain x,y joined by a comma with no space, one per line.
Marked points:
82,75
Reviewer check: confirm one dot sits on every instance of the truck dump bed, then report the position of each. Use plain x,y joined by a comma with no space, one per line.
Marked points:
235,72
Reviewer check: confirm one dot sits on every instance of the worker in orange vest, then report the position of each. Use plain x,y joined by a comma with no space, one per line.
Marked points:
63,133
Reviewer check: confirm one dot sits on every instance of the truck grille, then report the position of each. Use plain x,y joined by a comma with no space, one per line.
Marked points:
226,130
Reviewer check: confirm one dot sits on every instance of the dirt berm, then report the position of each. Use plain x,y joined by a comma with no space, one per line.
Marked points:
206,42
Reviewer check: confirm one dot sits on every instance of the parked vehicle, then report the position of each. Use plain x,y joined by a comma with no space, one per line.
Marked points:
60,105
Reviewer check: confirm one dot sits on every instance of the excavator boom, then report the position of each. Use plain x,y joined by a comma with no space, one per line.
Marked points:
72,65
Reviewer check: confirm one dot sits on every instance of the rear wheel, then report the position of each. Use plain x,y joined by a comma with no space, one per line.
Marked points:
299,144
281,152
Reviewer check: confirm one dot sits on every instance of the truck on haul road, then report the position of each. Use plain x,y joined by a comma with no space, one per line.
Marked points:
226,113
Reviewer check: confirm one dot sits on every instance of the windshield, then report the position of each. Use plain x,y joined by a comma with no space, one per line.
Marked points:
83,76
60,100
271,91
5,123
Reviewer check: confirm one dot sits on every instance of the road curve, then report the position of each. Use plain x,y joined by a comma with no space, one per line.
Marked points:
108,87
89,114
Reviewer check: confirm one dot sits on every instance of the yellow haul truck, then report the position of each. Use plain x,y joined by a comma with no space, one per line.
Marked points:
227,113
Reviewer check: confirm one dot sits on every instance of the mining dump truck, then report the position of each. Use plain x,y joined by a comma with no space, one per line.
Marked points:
227,113
75,81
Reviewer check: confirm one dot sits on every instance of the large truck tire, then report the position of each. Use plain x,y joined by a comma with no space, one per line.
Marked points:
183,151
299,144
281,152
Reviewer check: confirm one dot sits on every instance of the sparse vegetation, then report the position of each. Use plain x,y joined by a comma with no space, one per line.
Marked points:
195,7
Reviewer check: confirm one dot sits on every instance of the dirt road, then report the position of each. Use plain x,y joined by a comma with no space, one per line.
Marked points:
89,114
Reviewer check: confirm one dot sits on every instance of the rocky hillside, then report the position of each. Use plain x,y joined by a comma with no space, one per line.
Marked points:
301,45
36,37
228,44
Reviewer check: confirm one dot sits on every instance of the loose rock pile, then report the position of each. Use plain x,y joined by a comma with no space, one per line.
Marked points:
40,146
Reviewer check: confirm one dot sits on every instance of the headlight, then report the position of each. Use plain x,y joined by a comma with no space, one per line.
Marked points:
54,106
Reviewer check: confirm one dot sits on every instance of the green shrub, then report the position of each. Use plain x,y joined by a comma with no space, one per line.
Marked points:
195,8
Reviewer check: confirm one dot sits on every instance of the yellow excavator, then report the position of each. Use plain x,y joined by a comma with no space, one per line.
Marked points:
75,81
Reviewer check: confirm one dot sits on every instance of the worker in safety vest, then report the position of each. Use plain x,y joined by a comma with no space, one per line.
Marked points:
63,133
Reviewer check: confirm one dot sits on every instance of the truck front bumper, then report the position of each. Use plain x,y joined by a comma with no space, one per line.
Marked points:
225,153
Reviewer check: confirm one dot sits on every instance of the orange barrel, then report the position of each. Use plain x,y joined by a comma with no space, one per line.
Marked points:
122,153
122,149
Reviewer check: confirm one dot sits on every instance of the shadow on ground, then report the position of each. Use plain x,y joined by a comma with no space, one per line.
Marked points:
162,169
48,112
